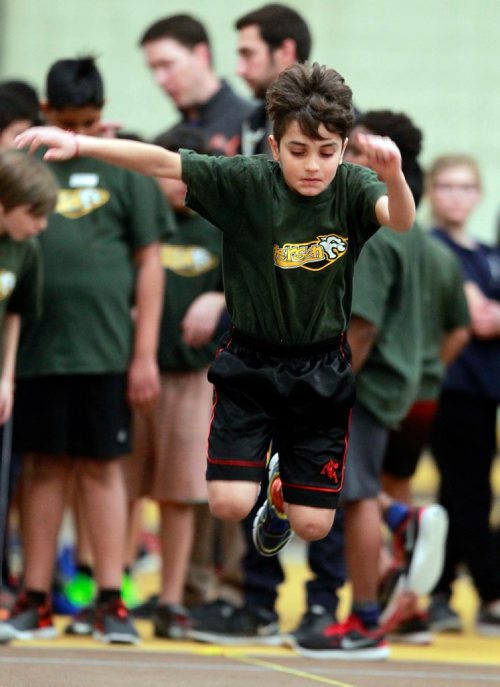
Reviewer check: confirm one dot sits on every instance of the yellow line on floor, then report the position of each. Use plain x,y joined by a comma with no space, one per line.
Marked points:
286,669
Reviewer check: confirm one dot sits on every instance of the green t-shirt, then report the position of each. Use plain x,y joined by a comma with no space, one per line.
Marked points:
20,277
445,308
288,260
103,214
192,262
387,293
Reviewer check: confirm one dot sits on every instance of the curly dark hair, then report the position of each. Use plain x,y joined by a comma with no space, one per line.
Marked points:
311,95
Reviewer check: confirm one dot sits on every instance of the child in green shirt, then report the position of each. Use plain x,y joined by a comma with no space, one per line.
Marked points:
292,230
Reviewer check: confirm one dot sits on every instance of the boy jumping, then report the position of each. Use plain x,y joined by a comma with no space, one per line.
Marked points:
292,231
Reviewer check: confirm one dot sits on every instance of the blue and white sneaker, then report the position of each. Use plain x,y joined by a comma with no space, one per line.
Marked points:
271,527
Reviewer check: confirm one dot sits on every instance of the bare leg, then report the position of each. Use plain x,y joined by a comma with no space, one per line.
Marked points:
177,528
134,530
103,491
310,523
362,546
231,500
44,498
397,487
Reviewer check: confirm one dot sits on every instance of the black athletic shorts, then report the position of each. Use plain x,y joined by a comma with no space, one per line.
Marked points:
81,416
407,443
300,396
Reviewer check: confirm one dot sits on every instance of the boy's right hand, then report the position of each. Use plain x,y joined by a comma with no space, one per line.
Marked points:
62,145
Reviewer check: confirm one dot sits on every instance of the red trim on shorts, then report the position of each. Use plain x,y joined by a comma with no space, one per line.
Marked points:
237,463
301,486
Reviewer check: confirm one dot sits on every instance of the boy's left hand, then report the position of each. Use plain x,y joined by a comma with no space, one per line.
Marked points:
383,155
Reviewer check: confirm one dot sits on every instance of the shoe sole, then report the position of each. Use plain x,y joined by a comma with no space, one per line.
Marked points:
447,625
231,640
423,638
379,653
26,635
427,561
488,630
115,638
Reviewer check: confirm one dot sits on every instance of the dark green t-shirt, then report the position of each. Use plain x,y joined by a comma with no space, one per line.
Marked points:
288,260
445,308
103,214
20,277
387,293
192,262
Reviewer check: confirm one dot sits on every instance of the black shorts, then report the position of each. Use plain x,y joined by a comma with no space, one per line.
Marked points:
81,416
407,443
302,397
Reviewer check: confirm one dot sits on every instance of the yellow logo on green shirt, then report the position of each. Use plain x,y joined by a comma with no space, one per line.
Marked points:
75,203
313,256
187,261
7,283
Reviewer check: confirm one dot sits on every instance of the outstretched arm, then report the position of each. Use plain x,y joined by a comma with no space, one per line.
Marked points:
397,209
140,157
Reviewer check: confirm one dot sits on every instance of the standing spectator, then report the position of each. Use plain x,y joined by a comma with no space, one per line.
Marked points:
464,435
86,360
178,52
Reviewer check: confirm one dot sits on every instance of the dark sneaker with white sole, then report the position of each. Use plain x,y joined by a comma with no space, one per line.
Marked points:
347,641
82,624
239,627
113,624
314,621
442,618
27,621
414,630
271,527
488,620
171,621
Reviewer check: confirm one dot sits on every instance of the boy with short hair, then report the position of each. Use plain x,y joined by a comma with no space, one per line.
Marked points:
86,359
292,230
28,193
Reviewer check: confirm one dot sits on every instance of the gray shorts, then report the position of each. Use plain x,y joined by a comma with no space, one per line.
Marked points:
365,456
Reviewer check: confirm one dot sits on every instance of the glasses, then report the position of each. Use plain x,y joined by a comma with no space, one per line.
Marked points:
450,188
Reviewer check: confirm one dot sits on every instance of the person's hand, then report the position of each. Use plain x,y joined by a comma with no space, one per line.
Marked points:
382,153
201,319
62,145
486,320
6,400
143,382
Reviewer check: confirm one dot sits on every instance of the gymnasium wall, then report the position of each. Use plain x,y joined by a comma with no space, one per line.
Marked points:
437,60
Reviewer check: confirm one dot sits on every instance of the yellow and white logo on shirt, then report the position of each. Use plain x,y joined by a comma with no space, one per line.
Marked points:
187,261
7,283
75,203
313,255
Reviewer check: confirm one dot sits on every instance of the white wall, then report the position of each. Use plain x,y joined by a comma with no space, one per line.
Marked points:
436,60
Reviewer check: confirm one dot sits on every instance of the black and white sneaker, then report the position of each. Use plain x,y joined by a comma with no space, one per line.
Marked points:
237,627
113,624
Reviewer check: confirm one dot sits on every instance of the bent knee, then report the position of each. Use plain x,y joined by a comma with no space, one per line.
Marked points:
231,500
309,523
228,510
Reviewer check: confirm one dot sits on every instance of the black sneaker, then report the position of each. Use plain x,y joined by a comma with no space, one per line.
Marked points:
27,621
146,609
171,621
442,618
348,641
271,528
415,630
113,624
82,624
488,620
239,627
314,621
